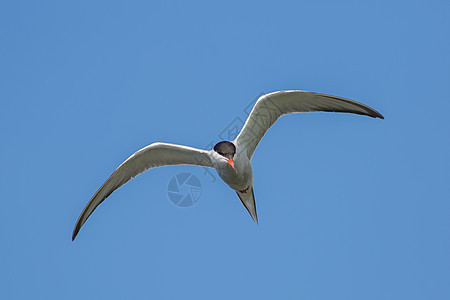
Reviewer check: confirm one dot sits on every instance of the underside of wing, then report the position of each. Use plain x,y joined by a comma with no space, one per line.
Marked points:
271,106
154,155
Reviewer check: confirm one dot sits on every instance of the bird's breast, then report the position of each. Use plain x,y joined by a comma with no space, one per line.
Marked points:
238,178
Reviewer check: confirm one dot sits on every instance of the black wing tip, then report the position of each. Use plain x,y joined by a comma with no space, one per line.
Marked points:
76,230
369,110
376,115
74,234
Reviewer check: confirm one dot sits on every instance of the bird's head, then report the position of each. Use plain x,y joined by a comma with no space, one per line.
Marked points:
227,150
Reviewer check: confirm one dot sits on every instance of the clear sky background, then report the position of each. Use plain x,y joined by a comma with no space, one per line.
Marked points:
350,207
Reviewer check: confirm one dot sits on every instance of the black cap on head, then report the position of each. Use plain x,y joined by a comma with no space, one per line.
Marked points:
226,149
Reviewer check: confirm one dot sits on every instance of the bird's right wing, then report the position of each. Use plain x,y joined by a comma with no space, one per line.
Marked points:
271,106
154,155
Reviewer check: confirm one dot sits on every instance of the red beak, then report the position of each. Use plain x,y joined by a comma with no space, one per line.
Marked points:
231,162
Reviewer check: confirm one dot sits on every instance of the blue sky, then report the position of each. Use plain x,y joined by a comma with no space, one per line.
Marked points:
350,207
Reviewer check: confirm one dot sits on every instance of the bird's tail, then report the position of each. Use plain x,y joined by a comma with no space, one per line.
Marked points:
248,200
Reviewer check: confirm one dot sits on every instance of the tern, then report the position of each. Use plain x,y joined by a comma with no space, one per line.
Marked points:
231,159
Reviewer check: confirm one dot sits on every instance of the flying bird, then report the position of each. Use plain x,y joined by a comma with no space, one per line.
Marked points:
231,159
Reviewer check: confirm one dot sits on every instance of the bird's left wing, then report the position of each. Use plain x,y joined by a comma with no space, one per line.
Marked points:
154,155
272,106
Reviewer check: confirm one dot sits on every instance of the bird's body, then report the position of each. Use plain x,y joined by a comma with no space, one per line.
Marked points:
238,178
231,159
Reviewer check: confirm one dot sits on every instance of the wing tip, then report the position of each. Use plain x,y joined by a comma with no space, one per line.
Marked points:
75,232
78,226
375,115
